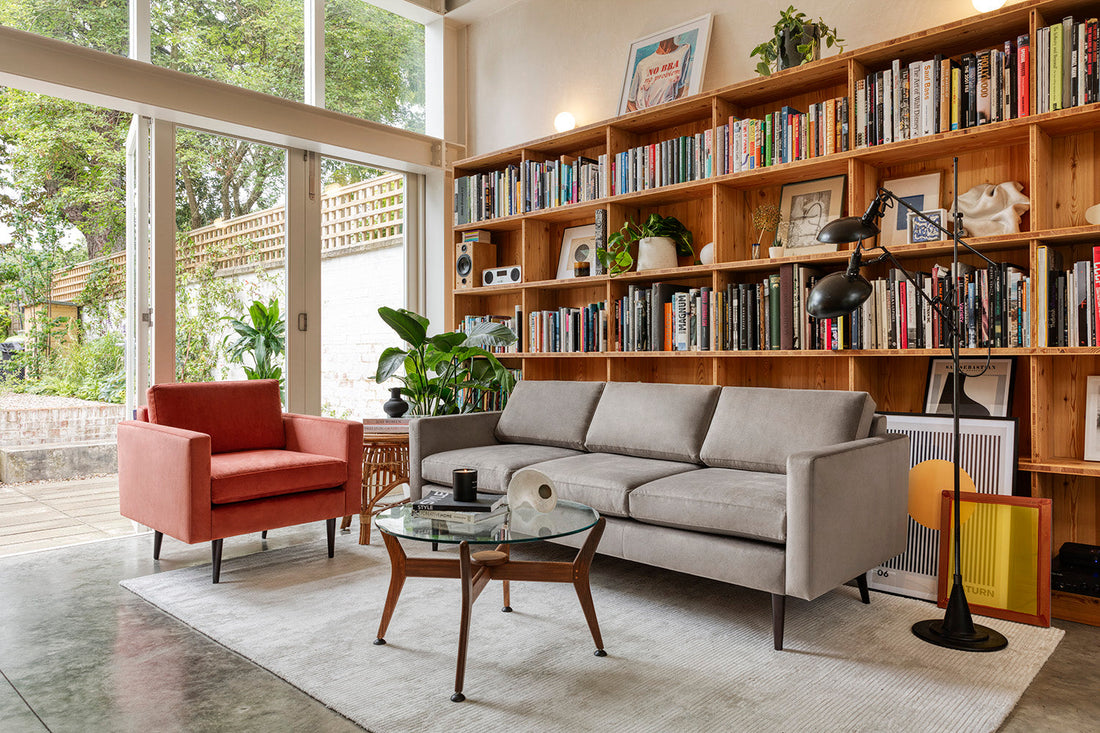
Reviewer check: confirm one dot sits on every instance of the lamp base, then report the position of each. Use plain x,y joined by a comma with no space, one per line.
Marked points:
984,639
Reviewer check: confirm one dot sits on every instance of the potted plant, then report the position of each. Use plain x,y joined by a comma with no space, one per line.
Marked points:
765,218
264,340
796,40
660,240
444,374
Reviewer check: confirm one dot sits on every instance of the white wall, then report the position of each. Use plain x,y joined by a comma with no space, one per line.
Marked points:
536,58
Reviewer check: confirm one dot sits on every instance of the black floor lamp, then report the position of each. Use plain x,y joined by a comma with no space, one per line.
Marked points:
841,293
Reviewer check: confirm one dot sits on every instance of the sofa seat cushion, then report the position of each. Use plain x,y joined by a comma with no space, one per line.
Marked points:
256,474
718,500
549,413
604,481
495,464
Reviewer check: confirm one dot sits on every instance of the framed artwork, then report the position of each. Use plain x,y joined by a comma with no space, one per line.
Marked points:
1092,419
578,244
988,455
1005,545
665,66
919,230
920,192
805,208
984,392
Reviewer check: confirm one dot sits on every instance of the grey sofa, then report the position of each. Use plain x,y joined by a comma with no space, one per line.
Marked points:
792,492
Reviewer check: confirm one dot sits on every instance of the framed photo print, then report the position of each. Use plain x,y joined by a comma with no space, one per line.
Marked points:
1092,419
983,392
920,230
920,192
805,208
578,244
665,66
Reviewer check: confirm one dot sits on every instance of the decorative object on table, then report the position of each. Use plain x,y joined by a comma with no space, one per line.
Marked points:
530,487
919,229
581,269
1006,546
706,254
984,390
444,374
841,293
672,239
578,244
921,193
464,484
665,66
796,40
765,218
1092,214
989,210
988,449
1092,419
395,406
805,208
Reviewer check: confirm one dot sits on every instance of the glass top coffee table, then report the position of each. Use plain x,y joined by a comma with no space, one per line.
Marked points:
476,569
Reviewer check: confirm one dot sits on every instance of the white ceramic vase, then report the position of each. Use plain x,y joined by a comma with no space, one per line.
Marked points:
706,254
656,253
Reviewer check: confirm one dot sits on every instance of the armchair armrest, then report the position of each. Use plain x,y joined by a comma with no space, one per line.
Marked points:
327,436
431,435
847,508
164,479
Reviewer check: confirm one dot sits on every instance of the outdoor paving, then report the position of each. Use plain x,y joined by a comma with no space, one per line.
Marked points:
44,514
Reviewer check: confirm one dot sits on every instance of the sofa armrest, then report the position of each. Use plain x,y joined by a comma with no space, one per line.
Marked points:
847,509
328,436
431,435
164,479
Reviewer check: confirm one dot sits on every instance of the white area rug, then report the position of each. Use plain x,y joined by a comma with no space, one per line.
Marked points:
685,654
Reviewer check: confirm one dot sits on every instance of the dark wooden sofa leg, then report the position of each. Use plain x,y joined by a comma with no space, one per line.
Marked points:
864,593
263,535
216,557
330,527
779,607
158,538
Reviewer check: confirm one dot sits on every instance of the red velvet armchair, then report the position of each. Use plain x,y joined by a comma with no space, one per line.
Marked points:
213,460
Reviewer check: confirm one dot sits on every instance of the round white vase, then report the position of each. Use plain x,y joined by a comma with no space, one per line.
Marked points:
706,254
656,253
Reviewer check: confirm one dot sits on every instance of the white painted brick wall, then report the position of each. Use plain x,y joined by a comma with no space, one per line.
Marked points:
60,425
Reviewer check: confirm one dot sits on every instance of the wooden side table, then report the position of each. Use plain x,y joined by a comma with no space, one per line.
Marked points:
385,467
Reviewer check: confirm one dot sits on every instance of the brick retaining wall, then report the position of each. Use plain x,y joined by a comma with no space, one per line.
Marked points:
94,422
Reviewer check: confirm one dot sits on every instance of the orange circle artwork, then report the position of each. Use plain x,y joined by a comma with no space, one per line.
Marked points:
927,481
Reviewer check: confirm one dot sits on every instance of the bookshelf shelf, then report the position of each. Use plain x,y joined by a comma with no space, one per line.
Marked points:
1055,155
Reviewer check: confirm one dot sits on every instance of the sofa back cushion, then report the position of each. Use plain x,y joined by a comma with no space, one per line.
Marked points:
549,413
237,416
756,428
662,421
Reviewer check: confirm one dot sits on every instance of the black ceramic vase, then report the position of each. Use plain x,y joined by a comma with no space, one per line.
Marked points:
395,406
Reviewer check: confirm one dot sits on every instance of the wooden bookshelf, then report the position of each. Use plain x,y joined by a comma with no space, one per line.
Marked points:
1055,155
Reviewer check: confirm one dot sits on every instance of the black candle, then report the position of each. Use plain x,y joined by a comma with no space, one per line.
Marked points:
465,484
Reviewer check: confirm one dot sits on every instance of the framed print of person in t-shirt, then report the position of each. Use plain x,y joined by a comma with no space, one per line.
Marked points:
665,66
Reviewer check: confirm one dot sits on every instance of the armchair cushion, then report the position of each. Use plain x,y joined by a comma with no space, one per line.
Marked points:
257,474
245,415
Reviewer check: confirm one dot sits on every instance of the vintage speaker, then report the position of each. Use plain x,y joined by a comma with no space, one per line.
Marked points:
501,275
470,259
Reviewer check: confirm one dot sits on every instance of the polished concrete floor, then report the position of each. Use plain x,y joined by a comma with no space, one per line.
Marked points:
79,653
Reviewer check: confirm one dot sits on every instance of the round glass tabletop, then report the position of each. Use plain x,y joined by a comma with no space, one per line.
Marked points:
522,524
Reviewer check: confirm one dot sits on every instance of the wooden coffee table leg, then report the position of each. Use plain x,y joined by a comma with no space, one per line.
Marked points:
507,550
580,583
467,580
397,582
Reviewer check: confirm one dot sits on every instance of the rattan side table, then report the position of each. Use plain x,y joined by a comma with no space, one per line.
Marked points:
385,467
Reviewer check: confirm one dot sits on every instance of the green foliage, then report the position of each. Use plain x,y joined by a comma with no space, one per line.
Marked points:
201,296
263,340
794,24
617,257
89,370
441,370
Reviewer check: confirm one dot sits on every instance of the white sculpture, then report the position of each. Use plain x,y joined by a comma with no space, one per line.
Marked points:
989,209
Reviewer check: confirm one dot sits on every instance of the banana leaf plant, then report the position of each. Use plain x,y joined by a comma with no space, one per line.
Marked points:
264,339
442,372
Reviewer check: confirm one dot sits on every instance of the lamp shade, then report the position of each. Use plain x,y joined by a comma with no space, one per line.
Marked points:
838,294
848,229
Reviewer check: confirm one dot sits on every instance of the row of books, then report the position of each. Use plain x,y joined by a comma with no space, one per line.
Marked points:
486,400
568,180
783,136
568,330
442,506
512,323
664,317
911,100
1066,64
677,160
1070,297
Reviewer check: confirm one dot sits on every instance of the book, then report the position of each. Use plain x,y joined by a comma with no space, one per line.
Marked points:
460,516
395,425
446,502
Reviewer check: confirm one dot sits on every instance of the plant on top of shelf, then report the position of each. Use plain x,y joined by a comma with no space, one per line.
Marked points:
445,373
660,239
765,218
797,40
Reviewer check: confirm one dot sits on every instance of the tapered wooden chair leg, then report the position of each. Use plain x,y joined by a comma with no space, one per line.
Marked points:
864,593
158,538
216,558
263,535
779,607
330,527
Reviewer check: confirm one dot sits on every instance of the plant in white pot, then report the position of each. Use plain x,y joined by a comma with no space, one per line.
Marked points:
661,239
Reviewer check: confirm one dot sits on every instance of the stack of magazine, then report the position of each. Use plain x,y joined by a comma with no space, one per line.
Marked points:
442,506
